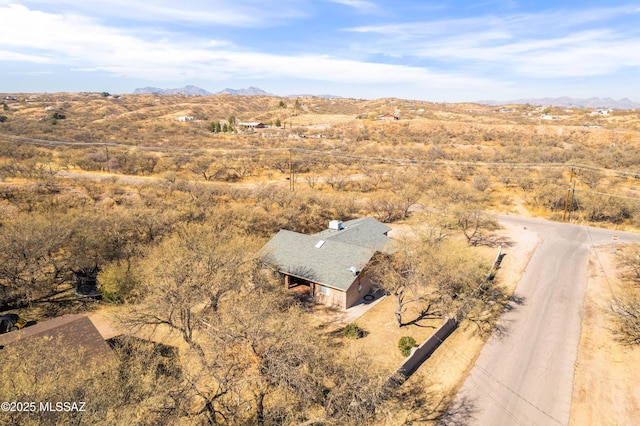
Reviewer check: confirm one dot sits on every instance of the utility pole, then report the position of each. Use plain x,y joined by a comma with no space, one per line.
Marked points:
291,173
566,201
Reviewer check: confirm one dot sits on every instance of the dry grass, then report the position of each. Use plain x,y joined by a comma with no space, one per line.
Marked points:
429,140
383,333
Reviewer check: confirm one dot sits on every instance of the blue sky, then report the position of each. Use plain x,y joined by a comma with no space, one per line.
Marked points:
436,51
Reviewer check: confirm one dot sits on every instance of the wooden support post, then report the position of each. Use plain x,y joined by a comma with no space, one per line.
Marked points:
291,173
566,201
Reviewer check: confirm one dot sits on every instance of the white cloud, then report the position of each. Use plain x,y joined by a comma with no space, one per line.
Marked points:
361,5
85,45
240,13
435,55
38,73
557,44
7,55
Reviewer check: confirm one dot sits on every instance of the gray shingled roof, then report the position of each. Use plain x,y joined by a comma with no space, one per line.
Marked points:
328,263
365,232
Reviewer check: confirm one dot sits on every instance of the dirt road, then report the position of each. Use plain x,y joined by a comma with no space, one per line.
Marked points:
524,375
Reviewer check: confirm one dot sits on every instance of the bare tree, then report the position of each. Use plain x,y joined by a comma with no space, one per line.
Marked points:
31,264
198,264
201,167
357,394
625,306
402,276
277,353
630,260
311,180
591,178
626,314
474,222
434,275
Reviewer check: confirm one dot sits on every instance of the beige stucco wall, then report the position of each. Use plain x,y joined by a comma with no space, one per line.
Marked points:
353,295
333,298
339,298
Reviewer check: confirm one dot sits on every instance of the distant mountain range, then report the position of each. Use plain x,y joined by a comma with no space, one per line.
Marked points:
304,95
566,101
186,90
197,91
251,91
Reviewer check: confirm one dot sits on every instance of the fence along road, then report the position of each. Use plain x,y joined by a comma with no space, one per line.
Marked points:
524,375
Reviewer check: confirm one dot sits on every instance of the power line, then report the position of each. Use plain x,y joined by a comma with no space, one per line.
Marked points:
610,195
379,159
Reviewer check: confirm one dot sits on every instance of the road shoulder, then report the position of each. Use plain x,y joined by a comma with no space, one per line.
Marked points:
605,390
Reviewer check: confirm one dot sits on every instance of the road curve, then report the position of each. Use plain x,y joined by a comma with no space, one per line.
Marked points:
524,374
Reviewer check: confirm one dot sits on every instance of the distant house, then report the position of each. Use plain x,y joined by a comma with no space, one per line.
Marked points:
252,125
331,265
185,118
389,117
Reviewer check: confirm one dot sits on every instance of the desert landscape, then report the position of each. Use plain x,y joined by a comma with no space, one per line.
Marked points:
161,205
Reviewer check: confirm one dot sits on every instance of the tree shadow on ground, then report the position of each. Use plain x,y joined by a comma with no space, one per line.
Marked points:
427,407
62,302
503,325
423,315
493,240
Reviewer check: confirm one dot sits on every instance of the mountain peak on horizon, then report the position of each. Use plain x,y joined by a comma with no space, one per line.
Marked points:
250,91
188,90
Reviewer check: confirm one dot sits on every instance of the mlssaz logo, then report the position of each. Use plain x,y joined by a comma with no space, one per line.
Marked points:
62,406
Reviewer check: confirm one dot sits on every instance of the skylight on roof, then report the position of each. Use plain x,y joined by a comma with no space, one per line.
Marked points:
319,243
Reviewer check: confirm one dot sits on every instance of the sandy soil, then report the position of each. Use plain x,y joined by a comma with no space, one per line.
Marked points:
440,377
106,322
605,386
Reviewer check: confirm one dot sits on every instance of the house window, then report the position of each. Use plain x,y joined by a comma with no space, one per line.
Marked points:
324,290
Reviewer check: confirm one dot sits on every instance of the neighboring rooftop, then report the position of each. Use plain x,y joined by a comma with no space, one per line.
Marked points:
69,330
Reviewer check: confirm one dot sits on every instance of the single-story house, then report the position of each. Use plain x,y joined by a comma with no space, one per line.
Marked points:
252,125
389,117
332,264
185,118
